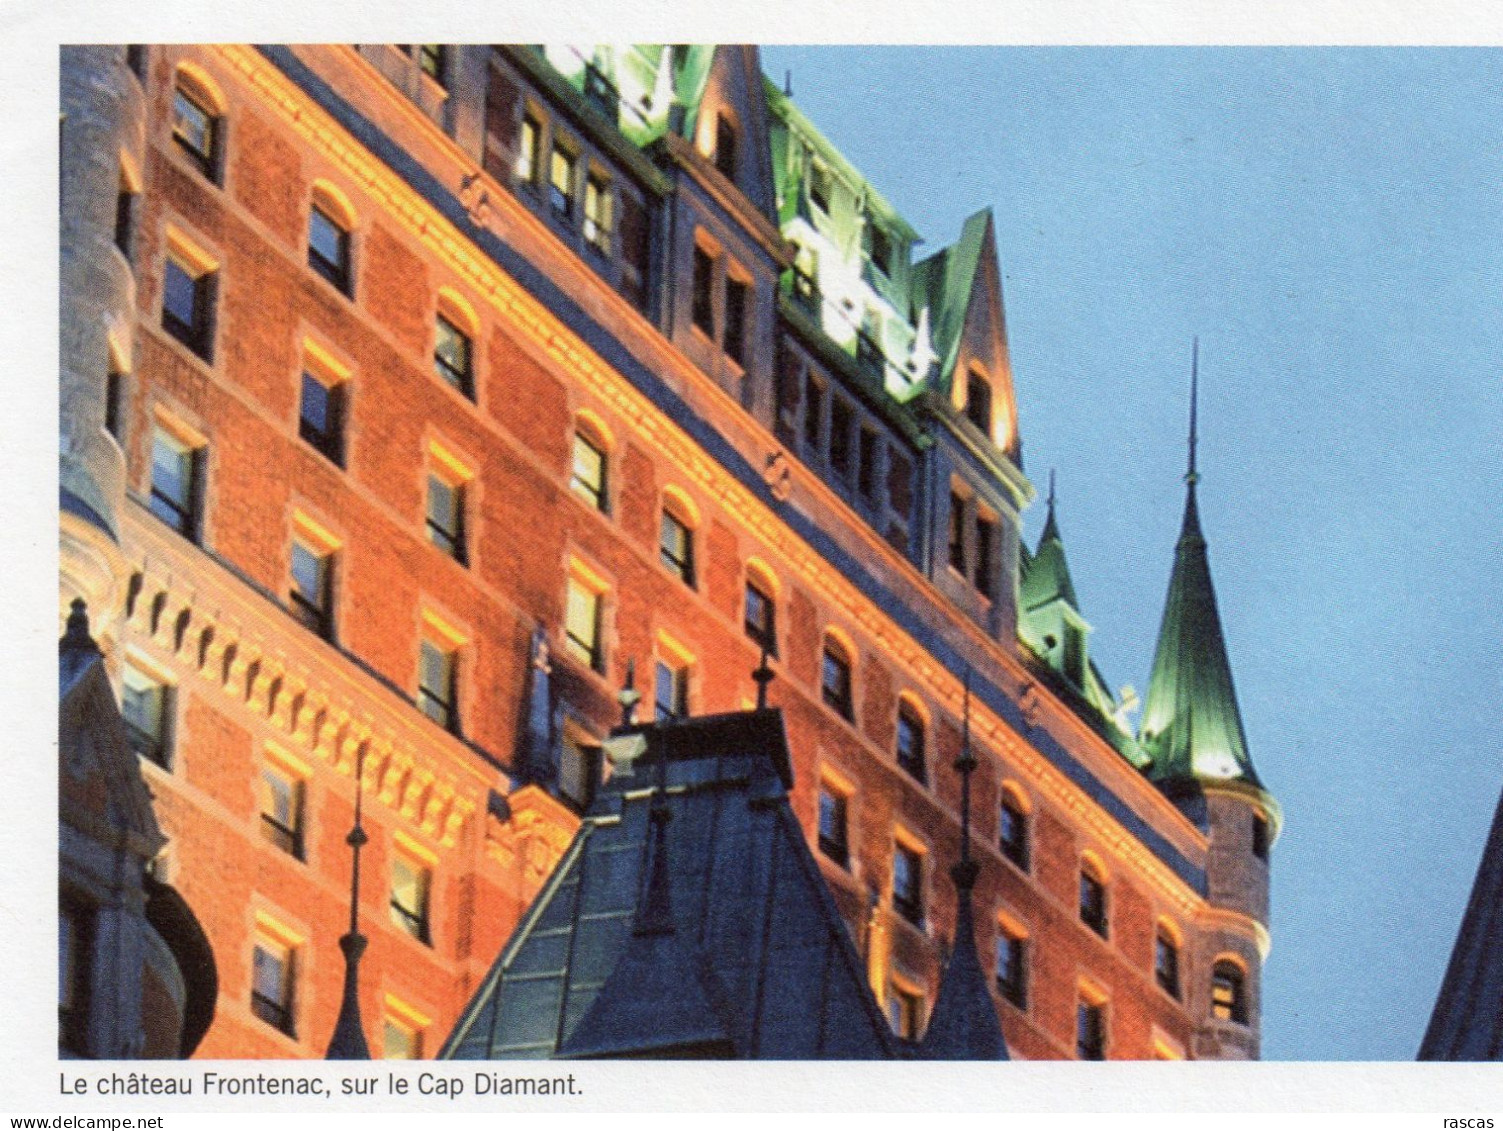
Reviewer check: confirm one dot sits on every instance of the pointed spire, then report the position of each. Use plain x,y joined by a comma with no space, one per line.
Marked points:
1192,726
348,1042
764,675
1046,576
964,1025
1051,524
653,1003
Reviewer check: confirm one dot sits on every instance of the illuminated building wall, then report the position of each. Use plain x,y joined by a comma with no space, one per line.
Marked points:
443,363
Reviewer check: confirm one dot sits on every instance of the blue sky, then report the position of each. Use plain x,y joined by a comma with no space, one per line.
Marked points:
1329,222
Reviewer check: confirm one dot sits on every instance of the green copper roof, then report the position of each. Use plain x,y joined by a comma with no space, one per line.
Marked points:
1046,574
1191,725
942,286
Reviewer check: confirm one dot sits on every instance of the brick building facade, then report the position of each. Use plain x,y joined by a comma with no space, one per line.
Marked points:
392,373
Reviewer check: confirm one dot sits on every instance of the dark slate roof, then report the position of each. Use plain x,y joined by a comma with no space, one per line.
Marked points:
1468,1019
964,1024
758,963
1192,727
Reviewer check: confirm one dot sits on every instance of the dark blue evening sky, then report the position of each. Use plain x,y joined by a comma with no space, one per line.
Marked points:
1329,223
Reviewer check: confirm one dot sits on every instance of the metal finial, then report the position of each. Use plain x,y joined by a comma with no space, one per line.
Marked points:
1192,476
964,873
76,632
348,1042
788,83
629,696
763,675
1051,489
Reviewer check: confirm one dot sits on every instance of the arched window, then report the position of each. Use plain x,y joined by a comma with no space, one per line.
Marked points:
835,677
197,121
1228,992
978,402
676,535
330,221
1012,830
910,740
589,470
761,607
1093,895
455,329
1166,958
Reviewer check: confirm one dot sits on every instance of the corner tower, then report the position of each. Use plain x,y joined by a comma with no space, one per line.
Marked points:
102,135
1192,731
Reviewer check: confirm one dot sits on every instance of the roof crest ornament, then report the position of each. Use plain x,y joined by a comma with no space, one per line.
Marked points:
348,1041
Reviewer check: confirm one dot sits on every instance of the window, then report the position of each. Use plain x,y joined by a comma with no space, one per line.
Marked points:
321,417
282,810
125,217
329,248
670,687
311,599
409,896
736,293
75,953
1093,900
907,883
1228,999
561,170
725,146
176,469
957,531
452,358
1260,836
1013,831
835,678
272,973
761,613
814,403
833,839
676,545
819,187
1074,657
635,225
438,685
587,472
114,403
911,741
1166,961
582,624
597,213
1090,1030
866,472
841,420
1012,965
978,403
986,542
144,704
703,312
905,1008
445,519
431,58
195,127
529,151
878,246
869,354
188,304
400,1041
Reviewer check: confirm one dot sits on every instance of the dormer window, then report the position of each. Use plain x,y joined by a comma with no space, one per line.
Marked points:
819,187
725,146
978,403
879,247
